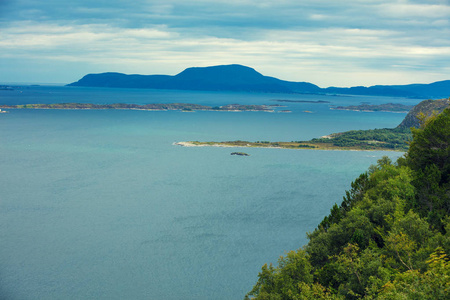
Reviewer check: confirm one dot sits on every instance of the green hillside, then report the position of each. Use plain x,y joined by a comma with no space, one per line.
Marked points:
388,239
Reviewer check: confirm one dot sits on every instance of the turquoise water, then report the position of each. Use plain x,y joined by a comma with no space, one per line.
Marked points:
101,205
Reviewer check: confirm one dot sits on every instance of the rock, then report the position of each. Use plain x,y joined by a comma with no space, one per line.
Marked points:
427,107
240,153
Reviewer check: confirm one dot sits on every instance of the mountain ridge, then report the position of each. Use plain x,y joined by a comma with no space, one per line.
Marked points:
242,78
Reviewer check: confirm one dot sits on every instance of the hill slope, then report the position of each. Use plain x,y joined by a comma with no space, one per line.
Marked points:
427,107
388,239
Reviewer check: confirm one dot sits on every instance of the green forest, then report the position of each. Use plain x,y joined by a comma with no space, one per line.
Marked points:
388,239
385,138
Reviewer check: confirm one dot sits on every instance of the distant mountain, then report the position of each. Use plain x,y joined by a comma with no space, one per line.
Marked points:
216,78
434,90
242,78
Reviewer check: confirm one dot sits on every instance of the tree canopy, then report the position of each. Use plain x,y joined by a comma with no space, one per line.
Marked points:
388,239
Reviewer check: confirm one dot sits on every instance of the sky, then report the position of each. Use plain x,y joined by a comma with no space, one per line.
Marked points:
325,42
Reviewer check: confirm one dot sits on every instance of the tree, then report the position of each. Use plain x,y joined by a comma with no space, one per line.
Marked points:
429,157
432,284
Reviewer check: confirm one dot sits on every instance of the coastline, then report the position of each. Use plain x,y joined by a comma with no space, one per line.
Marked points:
184,107
281,145
139,109
365,110
386,107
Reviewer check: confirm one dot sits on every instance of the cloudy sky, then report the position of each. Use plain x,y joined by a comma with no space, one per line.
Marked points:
326,42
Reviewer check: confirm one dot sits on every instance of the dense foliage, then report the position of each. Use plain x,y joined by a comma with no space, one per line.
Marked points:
387,138
388,239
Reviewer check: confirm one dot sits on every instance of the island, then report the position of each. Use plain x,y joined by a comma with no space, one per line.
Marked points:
301,101
393,139
387,107
153,106
6,88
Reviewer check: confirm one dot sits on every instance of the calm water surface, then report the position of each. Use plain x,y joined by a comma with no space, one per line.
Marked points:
101,205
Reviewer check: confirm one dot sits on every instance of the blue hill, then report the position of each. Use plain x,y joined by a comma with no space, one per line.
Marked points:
215,78
242,78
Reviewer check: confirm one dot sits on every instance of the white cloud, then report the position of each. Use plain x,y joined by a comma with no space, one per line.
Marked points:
408,10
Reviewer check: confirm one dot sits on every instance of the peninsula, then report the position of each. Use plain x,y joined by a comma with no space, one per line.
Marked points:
376,139
394,139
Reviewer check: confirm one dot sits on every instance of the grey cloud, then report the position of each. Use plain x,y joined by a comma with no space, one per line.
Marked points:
365,35
231,17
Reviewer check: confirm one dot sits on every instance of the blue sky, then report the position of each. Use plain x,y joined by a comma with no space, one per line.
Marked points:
329,43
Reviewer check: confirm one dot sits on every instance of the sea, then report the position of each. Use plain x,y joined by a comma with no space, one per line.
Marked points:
100,204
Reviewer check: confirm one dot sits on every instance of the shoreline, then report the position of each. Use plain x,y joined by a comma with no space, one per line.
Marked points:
184,107
139,109
309,146
363,110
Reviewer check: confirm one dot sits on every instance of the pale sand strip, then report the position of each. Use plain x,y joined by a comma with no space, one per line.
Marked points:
190,144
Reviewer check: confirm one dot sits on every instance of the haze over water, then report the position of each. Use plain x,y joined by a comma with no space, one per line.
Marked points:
99,204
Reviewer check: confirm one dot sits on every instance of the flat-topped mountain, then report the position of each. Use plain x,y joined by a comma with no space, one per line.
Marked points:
216,78
242,78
